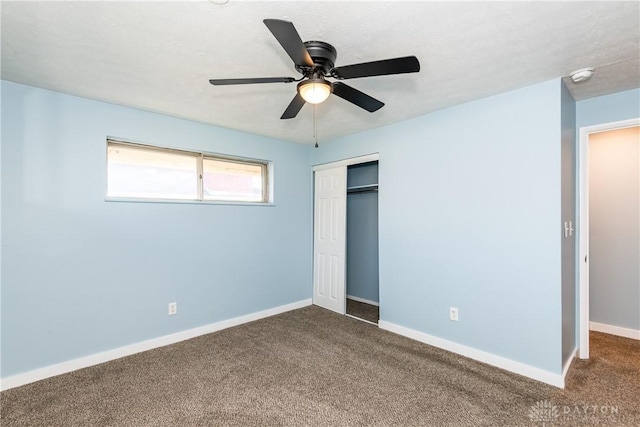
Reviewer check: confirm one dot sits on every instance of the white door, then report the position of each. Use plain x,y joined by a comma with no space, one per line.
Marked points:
329,239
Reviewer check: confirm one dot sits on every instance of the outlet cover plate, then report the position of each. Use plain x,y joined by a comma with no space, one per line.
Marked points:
173,308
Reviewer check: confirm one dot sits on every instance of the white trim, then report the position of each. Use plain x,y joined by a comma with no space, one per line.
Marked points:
366,301
117,353
348,162
583,231
615,330
537,374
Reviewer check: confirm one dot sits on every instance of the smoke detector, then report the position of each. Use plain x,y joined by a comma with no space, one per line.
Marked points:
581,75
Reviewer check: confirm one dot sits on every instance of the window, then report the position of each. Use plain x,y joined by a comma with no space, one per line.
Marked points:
145,172
232,180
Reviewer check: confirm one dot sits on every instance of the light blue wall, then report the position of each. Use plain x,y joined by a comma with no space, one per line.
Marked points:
568,183
606,109
469,216
362,234
81,275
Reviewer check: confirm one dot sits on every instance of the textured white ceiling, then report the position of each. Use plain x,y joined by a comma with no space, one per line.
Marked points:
159,56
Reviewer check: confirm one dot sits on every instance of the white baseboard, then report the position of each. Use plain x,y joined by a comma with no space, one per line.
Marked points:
615,330
519,368
117,353
366,301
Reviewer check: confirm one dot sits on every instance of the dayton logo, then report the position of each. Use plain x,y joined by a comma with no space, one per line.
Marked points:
544,412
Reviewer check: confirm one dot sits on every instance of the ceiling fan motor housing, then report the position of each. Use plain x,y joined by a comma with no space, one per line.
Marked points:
323,55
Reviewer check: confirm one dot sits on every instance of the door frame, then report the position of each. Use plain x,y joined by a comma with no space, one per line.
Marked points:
331,165
347,162
583,230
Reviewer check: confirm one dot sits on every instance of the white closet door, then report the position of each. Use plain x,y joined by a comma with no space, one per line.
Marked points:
329,239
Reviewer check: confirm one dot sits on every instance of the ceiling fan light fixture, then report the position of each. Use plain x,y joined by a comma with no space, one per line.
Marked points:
314,91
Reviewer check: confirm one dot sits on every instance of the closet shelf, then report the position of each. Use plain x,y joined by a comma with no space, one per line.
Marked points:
362,188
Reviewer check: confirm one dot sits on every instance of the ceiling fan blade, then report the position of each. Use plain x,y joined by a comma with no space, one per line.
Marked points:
354,96
406,64
288,37
294,107
223,82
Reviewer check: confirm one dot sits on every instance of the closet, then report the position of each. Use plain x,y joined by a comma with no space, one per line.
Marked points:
362,242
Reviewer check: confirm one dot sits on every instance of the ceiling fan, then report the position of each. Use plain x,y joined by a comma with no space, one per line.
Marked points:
315,61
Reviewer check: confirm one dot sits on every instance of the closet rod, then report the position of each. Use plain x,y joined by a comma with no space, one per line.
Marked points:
362,186
362,190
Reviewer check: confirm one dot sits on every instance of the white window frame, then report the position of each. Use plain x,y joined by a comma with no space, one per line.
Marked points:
266,165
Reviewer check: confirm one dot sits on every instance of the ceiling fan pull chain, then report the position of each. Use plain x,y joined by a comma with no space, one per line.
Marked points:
315,123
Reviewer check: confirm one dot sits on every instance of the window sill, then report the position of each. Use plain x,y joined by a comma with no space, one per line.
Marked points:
185,202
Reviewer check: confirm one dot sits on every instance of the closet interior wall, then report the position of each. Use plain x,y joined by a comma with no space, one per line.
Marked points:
362,233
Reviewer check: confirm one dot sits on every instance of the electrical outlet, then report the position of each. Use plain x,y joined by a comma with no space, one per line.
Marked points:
173,308
453,314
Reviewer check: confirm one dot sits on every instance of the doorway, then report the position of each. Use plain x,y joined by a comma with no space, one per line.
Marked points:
330,233
362,283
606,228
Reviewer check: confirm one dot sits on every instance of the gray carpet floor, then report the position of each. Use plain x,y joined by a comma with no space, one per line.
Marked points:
368,312
316,368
